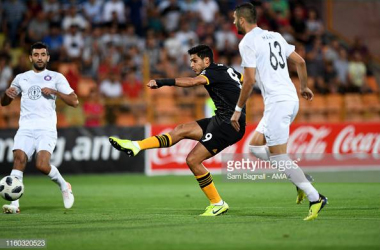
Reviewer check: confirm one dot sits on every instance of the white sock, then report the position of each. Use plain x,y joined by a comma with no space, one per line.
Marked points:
19,175
295,175
57,178
219,203
261,152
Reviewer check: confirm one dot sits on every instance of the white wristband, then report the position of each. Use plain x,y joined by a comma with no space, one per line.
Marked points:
238,109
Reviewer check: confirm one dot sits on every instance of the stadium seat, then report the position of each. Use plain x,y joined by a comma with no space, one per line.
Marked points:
354,108
334,108
317,108
371,103
304,111
85,85
374,86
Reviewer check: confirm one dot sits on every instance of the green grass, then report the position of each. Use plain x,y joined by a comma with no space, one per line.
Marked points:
137,212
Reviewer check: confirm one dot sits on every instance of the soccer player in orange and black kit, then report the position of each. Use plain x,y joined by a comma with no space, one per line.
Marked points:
214,134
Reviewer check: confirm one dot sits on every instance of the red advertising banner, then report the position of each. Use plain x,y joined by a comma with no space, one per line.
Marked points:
344,145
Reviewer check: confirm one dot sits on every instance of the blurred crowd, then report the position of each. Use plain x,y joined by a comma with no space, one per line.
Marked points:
119,43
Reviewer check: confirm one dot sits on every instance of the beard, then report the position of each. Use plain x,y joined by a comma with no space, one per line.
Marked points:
239,29
39,68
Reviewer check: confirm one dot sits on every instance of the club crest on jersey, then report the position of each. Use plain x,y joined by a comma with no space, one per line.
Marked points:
47,78
34,92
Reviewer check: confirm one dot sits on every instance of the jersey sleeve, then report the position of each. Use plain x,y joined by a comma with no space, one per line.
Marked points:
63,85
248,56
15,84
289,49
210,75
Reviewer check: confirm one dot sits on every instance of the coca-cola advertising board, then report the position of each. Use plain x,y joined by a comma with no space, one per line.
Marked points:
316,146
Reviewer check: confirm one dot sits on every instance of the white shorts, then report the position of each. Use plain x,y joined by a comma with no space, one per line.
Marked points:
276,121
29,141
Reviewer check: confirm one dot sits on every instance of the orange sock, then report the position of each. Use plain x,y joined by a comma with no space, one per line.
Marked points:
158,141
208,187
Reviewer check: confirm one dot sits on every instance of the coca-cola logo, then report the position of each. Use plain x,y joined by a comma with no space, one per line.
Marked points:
348,144
308,140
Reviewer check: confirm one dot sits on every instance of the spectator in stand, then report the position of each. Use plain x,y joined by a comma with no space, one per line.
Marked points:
92,10
188,6
111,86
299,25
315,66
38,28
330,78
132,86
91,58
186,36
34,8
14,11
281,7
129,38
314,24
331,51
171,12
358,46
114,8
111,35
225,38
154,20
93,108
207,9
54,41
73,17
341,67
357,74
136,12
173,46
52,9
73,44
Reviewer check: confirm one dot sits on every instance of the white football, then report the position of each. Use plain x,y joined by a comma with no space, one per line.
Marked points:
11,188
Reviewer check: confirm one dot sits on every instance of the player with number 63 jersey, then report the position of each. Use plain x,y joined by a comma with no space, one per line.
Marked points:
264,58
214,134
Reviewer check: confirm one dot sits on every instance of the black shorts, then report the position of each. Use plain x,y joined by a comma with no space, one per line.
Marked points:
217,134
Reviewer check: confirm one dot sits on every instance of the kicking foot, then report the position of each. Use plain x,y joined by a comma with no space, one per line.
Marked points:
126,146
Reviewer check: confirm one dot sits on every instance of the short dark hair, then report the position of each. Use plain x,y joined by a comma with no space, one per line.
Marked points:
248,11
38,45
202,51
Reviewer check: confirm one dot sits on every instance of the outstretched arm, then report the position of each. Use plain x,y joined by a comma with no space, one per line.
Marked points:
184,82
245,93
302,75
70,99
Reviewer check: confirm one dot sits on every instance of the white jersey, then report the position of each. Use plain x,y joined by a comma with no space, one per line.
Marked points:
267,52
38,110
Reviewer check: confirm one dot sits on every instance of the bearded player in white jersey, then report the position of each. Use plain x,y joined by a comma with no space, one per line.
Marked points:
264,58
39,88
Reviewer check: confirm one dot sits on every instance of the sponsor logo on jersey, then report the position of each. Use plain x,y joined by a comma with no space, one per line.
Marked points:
34,92
47,78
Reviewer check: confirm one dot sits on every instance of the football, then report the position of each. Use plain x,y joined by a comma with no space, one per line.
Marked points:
11,188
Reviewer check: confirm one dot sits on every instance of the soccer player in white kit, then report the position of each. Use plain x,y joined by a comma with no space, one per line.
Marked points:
264,58
39,88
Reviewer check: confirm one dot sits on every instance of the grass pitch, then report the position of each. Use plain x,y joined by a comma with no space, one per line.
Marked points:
138,212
